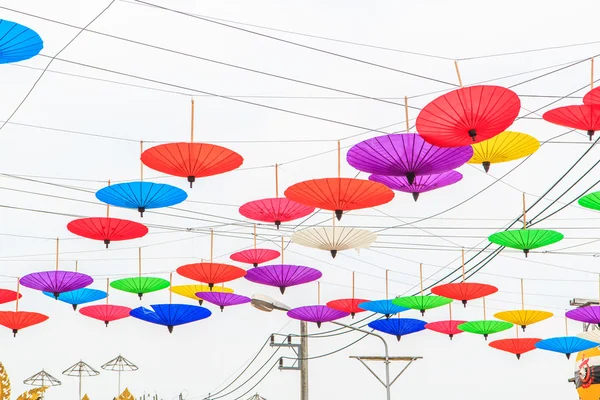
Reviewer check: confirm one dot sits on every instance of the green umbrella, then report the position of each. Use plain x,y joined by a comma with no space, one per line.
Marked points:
485,327
421,303
591,200
526,239
140,284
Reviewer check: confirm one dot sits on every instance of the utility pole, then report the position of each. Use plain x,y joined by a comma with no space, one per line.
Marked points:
301,363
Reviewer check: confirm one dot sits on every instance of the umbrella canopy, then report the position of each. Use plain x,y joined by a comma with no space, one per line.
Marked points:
526,239
421,303
6,296
582,117
170,315
340,194
591,201
223,299
448,327
464,291
17,320
140,284
589,315
79,296
334,239
317,314
565,345
421,184
283,275
385,307
191,160
507,146
592,97
275,210
348,305
211,273
141,195
468,115
56,281
17,42
255,256
106,312
405,155
398,326
516,346
523,318
485,327
107,229
42,379
190,291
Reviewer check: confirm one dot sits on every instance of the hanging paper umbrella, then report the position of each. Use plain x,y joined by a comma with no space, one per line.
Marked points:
421,302
335,238
385,307
56,282
106,312
398,326
591,201
421,184
405,155
275,210
565,345
141,196
140,284
223,299
6,296
350,305
464,291
468,115
449,327
17,320
255,256
592,97
588,314
79,296
190,291
526,239
523,317
582,117
317,314
17,42
340,194
516,346
191,160
107,229
507,146
485,327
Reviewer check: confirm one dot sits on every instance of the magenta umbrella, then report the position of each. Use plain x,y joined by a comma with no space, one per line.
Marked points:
405,154
589,315
317,314
56,282
421,184
223,299
283,275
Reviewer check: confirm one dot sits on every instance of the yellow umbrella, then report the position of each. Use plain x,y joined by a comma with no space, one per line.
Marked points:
190,291
523,317
507,146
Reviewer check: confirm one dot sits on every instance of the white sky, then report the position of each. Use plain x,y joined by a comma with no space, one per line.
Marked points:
198,357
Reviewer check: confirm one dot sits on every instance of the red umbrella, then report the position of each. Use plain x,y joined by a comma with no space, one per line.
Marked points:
516,346
107,229
106,312
6,296
592,97
449,327
276,209
255,256
17,320
191,160
582,117
468,115
350,305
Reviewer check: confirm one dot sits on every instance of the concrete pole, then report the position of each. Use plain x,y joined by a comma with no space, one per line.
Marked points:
303,360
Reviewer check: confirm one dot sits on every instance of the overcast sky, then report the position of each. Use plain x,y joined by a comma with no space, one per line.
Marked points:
198,358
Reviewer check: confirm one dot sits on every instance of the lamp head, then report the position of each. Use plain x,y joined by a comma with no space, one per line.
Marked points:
267,304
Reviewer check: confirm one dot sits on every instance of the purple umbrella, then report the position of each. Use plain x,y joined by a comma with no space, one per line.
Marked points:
421,184
318,314
283,275
56,281
223,299
589,314
405,154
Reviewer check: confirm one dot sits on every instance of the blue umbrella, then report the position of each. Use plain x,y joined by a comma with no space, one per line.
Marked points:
565,345
171,315
398,326
79,296
141,195
385,307
17,42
